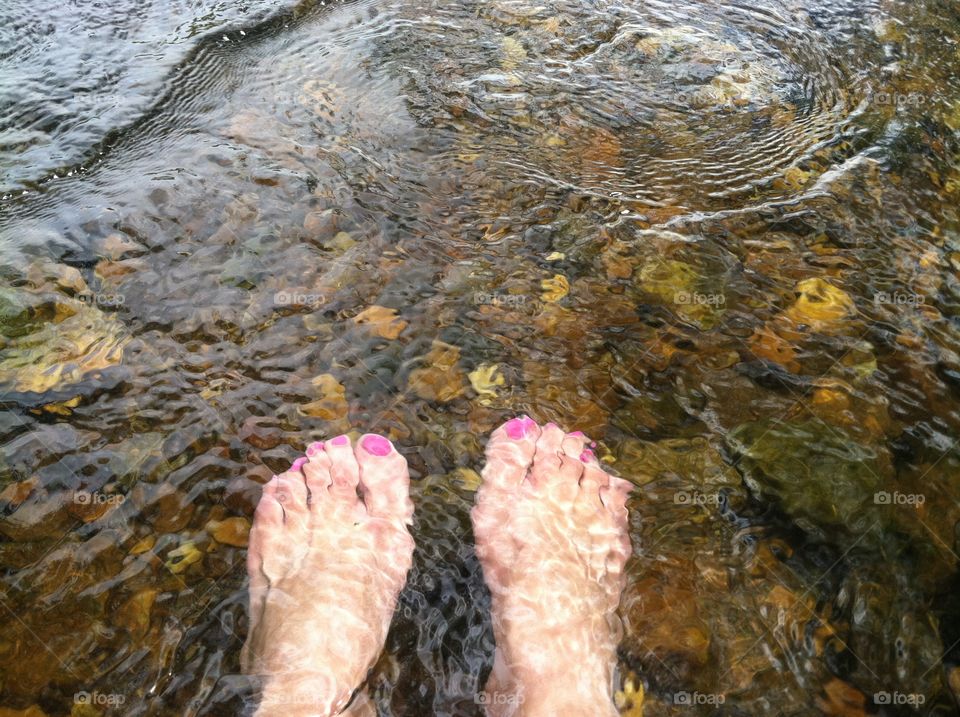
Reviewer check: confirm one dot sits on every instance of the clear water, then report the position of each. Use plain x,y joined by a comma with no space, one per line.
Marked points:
720,238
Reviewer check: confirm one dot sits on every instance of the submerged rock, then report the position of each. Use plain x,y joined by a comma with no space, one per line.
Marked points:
820,304
485,380
332,402
441,379
381,321
57,354
823,479
230,531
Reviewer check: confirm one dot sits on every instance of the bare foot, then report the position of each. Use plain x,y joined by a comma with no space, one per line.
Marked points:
551,534
329,553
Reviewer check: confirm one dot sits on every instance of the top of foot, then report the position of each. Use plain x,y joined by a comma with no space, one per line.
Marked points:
329,553
551,533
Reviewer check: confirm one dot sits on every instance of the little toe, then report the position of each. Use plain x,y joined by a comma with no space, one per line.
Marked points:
384,479
267,519
292,490
268,536
614,496
510,453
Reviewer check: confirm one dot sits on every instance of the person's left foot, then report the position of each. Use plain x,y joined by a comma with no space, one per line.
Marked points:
329,553
551,531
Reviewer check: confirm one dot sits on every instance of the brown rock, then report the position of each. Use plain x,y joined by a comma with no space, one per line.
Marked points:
320,223
842,700
440,379
231,531
332,403
111,269
171,510
116,246
15,493
258,432
31,711
242,494
38,518
381,321
134,614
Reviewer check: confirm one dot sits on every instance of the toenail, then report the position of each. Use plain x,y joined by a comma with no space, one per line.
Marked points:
551,425
340,441
296,465
314,448
515,428
377,445
578,434
586,456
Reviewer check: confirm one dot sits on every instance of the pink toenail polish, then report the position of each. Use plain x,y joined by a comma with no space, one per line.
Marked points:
377,445
586,456
578,434
314,448
340,441
296,465
515,428
551,425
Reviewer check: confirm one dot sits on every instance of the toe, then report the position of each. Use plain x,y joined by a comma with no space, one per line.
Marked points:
546,460
594,480
267,519
384,479
574,444
268,511
614,496
317,472
344,471
267,536
292,490
510,453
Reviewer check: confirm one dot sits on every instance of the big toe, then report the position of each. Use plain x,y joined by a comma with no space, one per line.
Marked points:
384,479
510,452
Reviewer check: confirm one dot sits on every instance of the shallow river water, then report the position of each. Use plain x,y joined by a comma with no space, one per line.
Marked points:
721,238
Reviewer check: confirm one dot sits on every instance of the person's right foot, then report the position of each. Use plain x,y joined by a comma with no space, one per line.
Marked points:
551,534
329,553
